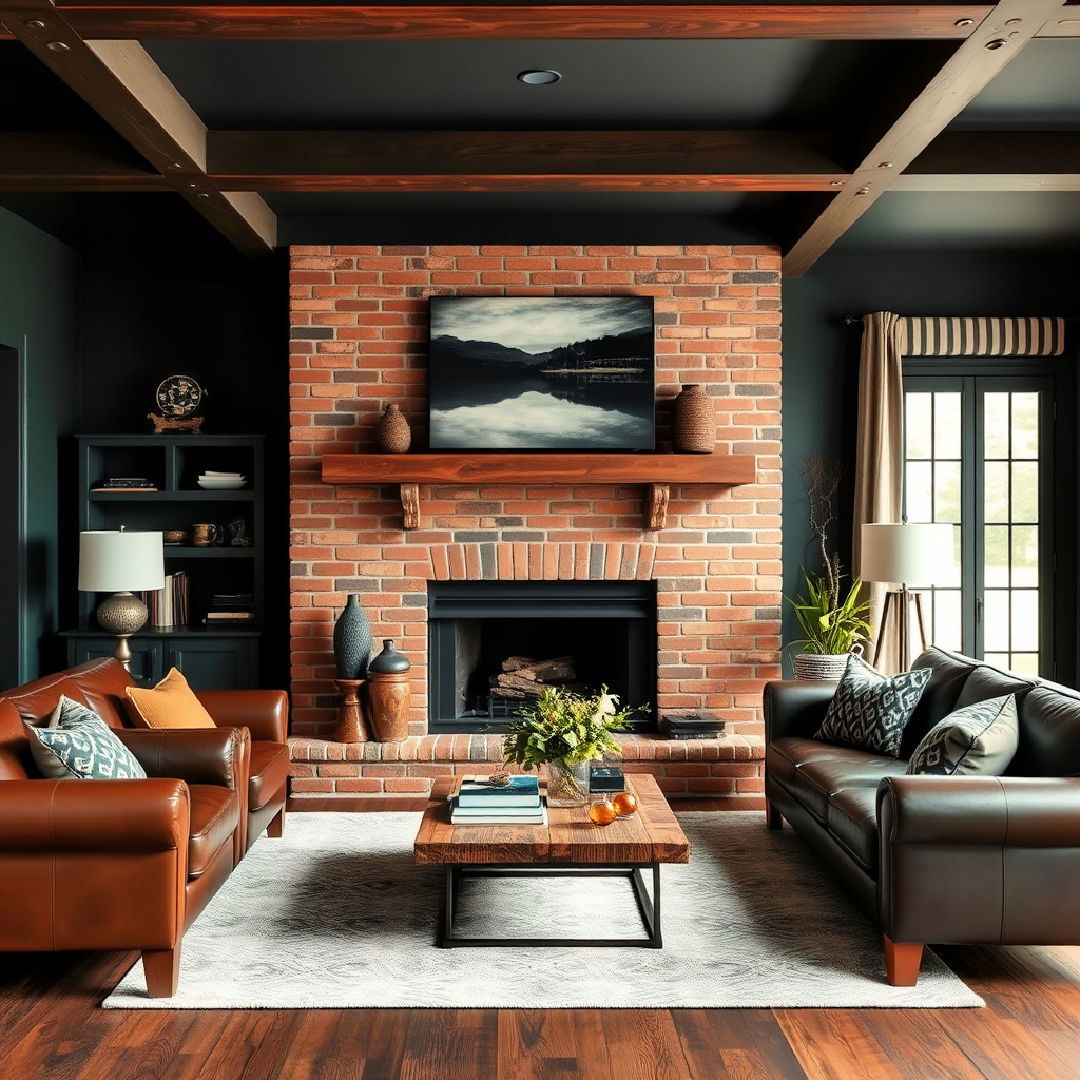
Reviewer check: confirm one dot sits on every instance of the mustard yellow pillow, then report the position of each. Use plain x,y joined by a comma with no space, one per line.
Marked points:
171,704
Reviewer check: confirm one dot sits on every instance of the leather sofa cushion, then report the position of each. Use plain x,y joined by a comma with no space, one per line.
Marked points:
1049,733
36,700
948,674
269,772
812,771
988,682
102,685
852,821
215,813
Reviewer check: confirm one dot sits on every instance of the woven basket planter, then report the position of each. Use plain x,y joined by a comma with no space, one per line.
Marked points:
820,666
693,421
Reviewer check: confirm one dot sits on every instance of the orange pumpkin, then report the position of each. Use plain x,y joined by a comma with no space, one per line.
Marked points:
625,803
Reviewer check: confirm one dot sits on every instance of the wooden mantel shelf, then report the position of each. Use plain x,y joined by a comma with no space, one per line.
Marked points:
657,471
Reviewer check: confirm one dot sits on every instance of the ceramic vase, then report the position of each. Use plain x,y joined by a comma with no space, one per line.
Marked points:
352,640
693,423
388,701
393,434
389,661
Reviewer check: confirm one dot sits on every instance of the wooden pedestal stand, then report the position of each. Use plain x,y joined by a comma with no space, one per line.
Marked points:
350,724
388,696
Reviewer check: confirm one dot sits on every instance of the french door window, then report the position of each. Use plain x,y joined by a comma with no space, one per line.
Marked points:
980,455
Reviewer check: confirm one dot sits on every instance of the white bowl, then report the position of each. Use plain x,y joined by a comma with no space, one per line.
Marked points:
220,483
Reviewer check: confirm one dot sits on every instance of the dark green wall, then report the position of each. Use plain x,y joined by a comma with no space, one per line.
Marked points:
821,354
39,319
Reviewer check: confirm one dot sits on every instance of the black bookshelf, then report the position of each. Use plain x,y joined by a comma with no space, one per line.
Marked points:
211,657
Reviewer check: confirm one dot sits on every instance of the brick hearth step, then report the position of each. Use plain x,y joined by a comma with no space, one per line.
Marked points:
728,767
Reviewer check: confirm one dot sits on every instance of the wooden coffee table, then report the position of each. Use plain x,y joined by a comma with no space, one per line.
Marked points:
569,845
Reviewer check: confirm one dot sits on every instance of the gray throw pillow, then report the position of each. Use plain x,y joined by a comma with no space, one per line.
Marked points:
869,711
977,740
79,745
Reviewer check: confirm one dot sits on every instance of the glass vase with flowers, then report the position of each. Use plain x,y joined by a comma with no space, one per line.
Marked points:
566,731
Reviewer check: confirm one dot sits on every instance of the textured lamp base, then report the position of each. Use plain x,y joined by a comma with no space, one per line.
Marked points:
123,614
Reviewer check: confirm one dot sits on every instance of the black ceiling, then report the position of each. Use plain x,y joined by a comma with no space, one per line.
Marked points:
809,85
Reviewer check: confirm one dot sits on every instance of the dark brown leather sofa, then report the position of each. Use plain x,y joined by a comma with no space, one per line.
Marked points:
934,859
129,864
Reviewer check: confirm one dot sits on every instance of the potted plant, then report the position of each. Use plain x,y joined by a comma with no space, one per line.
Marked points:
833,625
565,731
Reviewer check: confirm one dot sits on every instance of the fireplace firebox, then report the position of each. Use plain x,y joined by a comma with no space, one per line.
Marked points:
494,645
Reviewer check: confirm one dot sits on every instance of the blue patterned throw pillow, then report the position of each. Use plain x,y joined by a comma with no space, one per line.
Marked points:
977,740
869,711
79,745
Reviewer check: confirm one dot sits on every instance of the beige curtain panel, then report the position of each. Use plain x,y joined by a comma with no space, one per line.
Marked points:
929,335
879,452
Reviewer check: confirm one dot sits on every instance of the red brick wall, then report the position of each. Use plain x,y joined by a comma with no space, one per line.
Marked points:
358,319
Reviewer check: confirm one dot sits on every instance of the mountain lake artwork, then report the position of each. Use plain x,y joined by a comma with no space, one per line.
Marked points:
542,373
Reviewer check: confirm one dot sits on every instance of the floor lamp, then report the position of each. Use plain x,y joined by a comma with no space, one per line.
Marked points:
898,554
121,563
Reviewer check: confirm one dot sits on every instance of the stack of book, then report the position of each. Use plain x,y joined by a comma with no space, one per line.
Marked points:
126,483
230,609
480,802
170,606
705,725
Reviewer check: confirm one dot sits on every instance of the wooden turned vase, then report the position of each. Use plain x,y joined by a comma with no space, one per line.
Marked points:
388,700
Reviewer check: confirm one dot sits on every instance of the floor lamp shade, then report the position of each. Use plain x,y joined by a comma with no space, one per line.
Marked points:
909,553
121,562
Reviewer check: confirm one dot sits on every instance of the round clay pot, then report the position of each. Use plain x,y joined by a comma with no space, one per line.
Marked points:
693,422
393,434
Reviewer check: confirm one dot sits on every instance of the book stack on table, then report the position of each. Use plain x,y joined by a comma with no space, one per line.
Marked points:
480,802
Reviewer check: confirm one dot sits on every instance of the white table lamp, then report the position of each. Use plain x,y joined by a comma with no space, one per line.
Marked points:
121,563
899,554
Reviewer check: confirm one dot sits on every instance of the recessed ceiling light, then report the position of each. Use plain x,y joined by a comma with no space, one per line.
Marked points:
541,77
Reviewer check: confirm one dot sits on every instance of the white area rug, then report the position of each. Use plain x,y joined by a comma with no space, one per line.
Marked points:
337,915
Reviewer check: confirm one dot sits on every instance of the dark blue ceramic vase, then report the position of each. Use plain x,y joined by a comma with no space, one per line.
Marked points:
389,661
352,641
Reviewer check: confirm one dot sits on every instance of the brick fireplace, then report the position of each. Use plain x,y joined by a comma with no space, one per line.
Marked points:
358,317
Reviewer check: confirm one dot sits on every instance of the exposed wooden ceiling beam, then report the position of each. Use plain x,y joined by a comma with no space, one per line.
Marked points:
521,161
247,161
996,161
522,20
127,89
63,161
999,38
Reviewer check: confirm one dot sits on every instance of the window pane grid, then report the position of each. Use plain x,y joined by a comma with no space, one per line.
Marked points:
1010,599
933,492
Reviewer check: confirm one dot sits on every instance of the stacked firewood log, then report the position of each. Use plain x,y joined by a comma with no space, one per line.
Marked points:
525,677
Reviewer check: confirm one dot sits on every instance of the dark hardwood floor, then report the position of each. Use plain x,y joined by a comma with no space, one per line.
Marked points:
51,1027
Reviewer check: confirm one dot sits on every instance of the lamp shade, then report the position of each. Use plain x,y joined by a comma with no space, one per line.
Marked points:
120,562
907,554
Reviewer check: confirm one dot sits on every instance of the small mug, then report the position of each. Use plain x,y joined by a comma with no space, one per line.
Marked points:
204,535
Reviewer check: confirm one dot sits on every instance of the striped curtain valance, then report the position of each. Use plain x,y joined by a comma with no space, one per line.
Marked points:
983,335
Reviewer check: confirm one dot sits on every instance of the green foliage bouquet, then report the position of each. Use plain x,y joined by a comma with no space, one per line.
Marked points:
567,728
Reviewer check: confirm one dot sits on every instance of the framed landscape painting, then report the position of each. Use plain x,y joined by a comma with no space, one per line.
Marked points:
542,373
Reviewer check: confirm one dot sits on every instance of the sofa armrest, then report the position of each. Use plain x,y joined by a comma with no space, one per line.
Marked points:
129,816
796,706
265,713
992,859
1004,811
197,755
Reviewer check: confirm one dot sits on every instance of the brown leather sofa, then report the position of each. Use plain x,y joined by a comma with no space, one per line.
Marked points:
935,859
129,864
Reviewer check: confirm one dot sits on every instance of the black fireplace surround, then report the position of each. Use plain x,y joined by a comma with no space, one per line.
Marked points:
609,627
